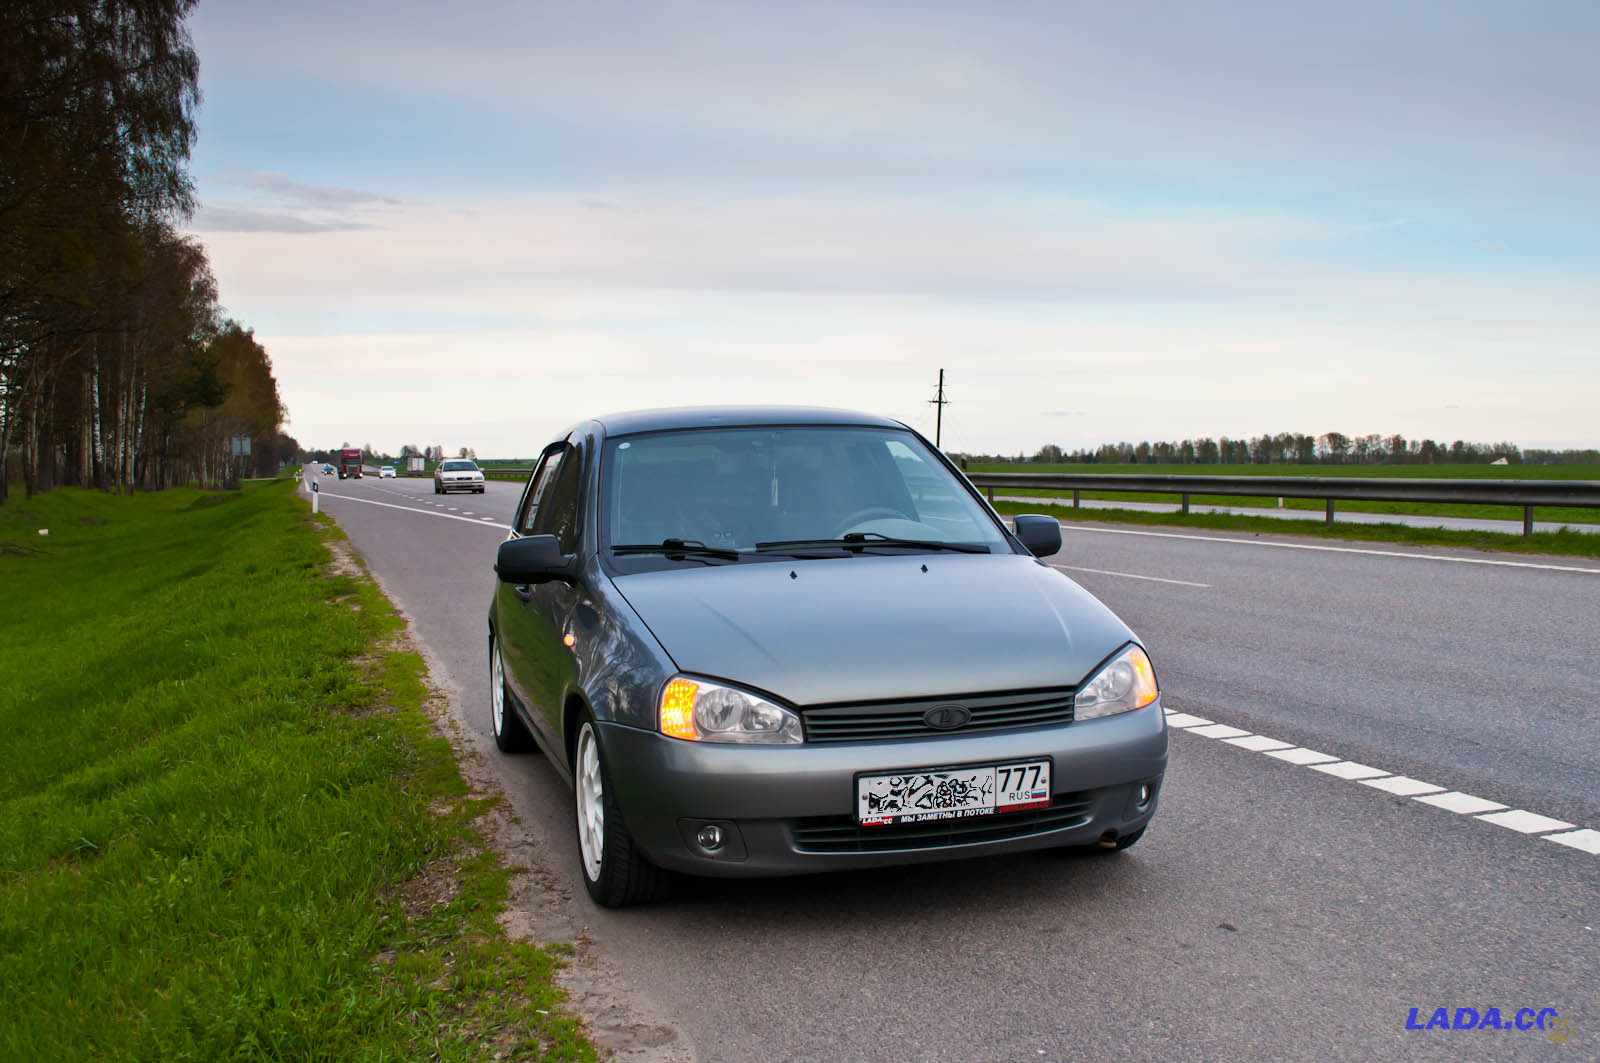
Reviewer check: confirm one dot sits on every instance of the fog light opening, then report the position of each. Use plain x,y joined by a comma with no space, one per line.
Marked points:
1145,793
709,837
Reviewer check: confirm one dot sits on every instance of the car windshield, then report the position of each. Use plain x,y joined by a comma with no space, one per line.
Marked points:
458,466
782,492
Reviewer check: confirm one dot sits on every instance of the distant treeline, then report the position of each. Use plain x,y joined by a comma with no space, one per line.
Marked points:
1292,448
118,368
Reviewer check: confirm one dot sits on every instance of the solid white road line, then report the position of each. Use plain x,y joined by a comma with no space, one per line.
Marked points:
412,509
1130,575
1334,549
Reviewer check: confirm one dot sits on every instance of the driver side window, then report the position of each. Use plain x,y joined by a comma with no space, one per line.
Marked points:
559,503
543,477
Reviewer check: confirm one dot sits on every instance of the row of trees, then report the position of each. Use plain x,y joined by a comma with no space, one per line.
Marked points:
1331,448
118,368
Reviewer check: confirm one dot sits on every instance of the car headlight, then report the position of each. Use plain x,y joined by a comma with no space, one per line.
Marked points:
701,711
1124,683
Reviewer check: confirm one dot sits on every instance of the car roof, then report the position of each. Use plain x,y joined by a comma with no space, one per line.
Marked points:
626,423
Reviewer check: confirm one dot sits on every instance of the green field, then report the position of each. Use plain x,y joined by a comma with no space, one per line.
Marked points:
226,827
1566,514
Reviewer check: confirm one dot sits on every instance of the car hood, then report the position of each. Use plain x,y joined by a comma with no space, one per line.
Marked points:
861,628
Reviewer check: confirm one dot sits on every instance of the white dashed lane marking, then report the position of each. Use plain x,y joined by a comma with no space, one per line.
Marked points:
1527,822
1258,743
1296,755
1401,786
1516,819
1587,840
1220,730
1465,804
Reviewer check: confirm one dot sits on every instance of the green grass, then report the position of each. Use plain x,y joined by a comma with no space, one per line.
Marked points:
226,828
1564,514
1570,543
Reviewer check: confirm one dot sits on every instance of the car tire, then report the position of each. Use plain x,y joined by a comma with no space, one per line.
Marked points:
614,870
510,735
436,489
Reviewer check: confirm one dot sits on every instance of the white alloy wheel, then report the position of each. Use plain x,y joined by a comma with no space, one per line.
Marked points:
510,733
590,786
497,689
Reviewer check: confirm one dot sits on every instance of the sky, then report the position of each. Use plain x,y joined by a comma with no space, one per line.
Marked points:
475,224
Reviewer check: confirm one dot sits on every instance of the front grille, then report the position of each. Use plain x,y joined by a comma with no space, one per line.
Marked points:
841,834
902,718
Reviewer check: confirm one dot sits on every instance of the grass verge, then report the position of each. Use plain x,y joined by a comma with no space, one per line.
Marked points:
226,826
1568,543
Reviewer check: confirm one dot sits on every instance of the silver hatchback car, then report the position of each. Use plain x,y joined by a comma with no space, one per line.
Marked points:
765,641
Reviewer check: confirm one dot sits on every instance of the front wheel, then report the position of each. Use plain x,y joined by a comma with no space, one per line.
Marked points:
510,736
615,872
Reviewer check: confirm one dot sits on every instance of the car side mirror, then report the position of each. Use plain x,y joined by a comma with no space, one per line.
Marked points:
1040,534
534,559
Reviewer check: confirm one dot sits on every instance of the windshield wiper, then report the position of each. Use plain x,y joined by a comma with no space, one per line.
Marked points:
853,541
677,548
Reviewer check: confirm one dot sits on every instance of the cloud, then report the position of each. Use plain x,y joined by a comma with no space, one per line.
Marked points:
279,187
246,220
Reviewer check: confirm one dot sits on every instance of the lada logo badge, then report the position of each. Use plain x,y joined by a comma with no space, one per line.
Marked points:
946,717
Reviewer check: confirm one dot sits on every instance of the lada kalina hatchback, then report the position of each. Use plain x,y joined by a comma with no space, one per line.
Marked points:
775,641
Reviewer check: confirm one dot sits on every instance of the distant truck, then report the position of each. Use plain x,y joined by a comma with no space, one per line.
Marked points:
350,463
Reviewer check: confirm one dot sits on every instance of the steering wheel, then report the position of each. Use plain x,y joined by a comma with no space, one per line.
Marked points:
868,513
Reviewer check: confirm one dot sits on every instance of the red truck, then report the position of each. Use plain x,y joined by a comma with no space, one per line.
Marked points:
350,463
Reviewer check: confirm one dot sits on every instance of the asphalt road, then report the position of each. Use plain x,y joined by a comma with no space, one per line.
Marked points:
1274,910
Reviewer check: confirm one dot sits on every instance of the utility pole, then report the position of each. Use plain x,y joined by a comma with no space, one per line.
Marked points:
939,404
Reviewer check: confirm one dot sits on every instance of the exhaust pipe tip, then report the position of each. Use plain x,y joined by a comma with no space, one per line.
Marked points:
1108,840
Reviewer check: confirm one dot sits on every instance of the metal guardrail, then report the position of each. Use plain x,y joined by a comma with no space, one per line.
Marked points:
1523,493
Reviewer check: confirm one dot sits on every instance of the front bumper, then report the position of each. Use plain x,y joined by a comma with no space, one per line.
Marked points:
460,485
789,809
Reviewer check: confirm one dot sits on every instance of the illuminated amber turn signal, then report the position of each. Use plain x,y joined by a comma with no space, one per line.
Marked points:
677,709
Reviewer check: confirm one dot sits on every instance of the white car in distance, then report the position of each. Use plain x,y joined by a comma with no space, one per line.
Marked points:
457,474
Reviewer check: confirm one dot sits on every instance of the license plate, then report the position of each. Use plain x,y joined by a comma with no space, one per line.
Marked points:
952,793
